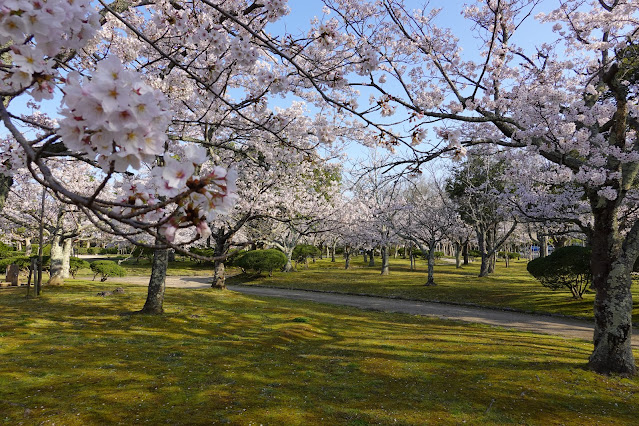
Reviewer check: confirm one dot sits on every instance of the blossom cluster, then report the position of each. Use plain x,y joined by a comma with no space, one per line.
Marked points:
115,117
37,31
210,192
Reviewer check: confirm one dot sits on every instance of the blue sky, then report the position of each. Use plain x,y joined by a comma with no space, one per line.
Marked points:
302,11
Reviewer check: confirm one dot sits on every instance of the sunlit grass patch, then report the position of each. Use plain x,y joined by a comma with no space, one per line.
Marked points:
71,357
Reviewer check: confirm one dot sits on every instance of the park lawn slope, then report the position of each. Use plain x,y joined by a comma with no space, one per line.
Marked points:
71,357
508,288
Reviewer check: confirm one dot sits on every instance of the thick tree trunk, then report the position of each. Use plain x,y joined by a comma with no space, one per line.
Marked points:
27,246
347,258
457,255
219,276
333,251
155,294
56,268
289,264
5,186
484,269
365,256
385,264
613,300
431,265
371,257
67,247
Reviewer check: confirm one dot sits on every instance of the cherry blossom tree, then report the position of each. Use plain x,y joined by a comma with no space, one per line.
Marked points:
64,224
571,100
427,218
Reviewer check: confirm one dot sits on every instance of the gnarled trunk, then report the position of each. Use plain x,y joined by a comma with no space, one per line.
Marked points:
457,255
371,258
60,257
611,266
385,264
347,258
219,275
289,264
155,294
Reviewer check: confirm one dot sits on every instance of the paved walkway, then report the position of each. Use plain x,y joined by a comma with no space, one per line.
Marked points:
569,328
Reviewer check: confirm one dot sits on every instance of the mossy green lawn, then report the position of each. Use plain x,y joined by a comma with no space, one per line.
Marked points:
70,357
512,287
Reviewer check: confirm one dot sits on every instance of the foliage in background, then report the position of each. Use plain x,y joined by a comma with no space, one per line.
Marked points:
75,264
302,252
106,268
261,260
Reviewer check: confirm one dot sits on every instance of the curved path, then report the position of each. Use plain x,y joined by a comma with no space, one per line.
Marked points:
566,327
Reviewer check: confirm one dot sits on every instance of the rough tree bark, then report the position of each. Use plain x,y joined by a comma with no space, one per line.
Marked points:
611,264
371,257
155,294
385,264
60,257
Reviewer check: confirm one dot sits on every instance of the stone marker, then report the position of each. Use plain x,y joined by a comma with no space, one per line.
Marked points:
12,274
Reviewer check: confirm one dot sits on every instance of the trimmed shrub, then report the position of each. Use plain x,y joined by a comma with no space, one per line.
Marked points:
302,252
7,251
261,260
140,251
108,250
201,251
474,253
416,252
23,263
75,264
511,255
567,267
438,254
106,268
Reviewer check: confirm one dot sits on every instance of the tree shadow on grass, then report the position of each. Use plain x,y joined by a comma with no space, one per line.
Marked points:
222,357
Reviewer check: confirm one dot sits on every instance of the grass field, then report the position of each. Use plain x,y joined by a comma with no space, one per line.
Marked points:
72,358
510,288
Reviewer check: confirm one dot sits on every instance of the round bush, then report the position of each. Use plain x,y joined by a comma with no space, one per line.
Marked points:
202,251
75,264
567,267
302,252
23,263
261,260
106,268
